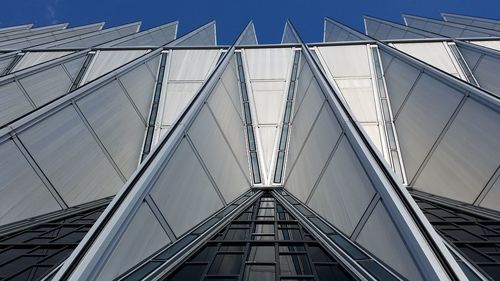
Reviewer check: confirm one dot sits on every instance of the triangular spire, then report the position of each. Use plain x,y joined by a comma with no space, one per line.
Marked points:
249,36
386,30
289,34
493,24
203,36
335,31
157,36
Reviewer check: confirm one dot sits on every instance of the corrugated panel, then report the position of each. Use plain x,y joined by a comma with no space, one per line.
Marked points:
269,63
73,66
360,98
486,74
267,137
22,193
230,82
139,84
5,62
466,157
304,81
314,155
422,119
191,64
143,236
217,156
399,78
344,191
303,120
268,100
47,85
493,44
380,237
433,53
67,153
117,125
34,58
347,61
13,103
173,193
106,61
177,97
203,37
231,123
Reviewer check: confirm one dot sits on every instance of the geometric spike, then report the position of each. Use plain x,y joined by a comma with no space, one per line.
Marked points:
249,36
157,36
334,31
202,36
386,30
16,28
493,24
289,35
30,32
448,29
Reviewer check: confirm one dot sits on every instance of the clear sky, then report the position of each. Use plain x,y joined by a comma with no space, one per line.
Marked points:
269,16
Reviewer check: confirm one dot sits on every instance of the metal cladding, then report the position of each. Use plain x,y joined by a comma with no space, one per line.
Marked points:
145,155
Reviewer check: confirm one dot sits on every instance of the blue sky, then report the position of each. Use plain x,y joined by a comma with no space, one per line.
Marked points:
269,16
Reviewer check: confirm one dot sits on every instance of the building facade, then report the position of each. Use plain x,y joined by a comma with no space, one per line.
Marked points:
134,155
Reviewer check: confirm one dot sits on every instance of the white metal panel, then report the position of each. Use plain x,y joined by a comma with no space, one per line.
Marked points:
22,193
106,61
347,61
303,120
47,85
399,78
492,197
230,122
344,191
140,84
374,132
360,98
433,53
192,64
217,156
142,237
466,157
34,58
117,125
177,97
179,188
422,119
493,44
67,153
269,63
313,157
267,139
268,100
13,103
381,238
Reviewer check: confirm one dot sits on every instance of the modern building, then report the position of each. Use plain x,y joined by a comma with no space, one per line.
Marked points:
143,155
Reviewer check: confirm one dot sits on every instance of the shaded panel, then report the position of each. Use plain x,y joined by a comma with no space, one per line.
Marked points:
70,157
13,103
106,61
22,193
47,85
347,61
177,97
34,58
179,188
191,64
139,84
269,63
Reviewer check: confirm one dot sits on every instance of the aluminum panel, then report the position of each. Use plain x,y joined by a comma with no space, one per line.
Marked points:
486,74
140,84
269,63
230,81
433,53
268,99
304,81
466,157
5,62
493,44
70,157
360,98
106,61
47,85
34,58
381,238
399,78
202,37
13,103
177,97
422,119
178,190
267,139
230,122
344,191
117,125
347,61
313,157
73,67
303,120
22,193
192,64
217,156
492,197
470,57
142,237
